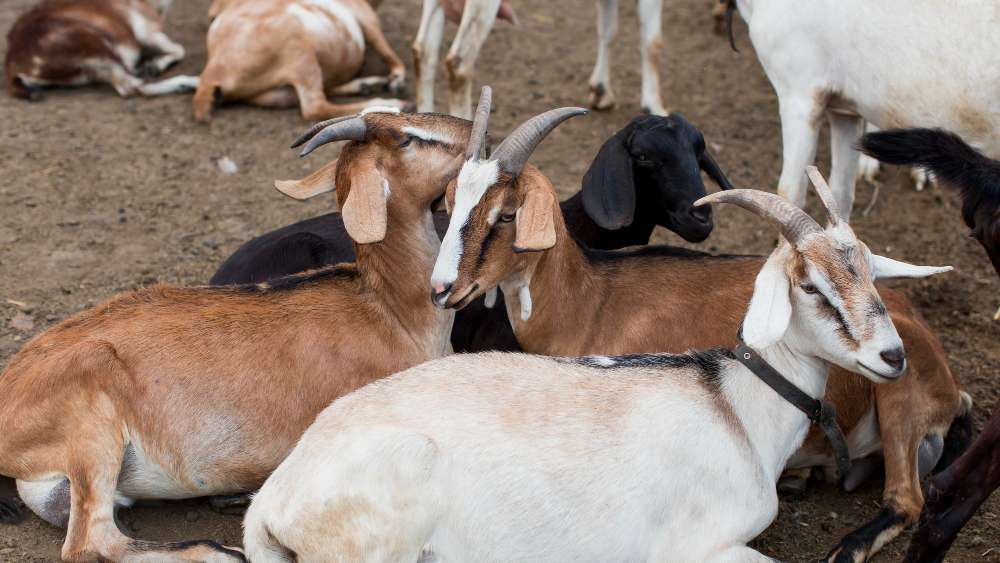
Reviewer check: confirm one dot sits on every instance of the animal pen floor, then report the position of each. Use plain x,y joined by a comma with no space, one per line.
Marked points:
101,195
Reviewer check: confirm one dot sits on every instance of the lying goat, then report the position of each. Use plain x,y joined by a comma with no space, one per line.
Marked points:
647,174
77,42
176,392
956,493
878,60
642,301
477,19
649,457
287,53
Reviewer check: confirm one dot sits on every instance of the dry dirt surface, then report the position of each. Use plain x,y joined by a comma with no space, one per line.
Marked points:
101,194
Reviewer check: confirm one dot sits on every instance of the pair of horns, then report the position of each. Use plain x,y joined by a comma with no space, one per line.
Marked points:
514,151
794,223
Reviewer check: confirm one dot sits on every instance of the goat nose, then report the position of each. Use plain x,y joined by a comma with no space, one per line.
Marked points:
702,213
894,358
440,291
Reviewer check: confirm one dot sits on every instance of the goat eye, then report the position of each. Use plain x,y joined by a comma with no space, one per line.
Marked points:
506,217
809,288
406,141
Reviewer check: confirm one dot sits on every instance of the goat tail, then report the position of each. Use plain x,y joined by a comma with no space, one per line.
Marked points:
259,543
942,152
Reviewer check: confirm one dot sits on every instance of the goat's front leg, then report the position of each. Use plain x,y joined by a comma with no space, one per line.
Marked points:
799,132
372,30
477,22
844,133
426,49
955,494
650,14
601,95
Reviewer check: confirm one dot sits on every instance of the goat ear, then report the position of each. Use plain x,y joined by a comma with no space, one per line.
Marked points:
609,185
770,308
364,211
883,267
535,224
714,171
319,182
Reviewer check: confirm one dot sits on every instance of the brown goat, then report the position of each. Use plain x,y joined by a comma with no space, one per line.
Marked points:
175,392
77,42
563,300
293,52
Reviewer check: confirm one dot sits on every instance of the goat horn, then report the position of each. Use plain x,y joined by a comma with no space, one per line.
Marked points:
515,150
317,128
825,194
794,223
353,129
477,140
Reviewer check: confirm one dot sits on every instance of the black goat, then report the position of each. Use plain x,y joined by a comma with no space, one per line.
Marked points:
955,494
647,174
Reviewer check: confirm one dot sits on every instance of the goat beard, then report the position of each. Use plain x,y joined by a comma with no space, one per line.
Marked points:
453,11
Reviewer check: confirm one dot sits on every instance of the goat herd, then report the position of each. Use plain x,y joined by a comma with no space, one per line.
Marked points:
317,367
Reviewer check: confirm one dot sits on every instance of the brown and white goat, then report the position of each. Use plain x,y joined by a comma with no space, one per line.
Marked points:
175,392
77,42
285,53
506,231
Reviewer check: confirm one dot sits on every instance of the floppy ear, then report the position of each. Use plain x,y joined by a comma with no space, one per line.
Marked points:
770,308
609,186
364,211
319,182
883,267
534,223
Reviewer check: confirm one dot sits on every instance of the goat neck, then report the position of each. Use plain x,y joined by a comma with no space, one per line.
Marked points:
591,235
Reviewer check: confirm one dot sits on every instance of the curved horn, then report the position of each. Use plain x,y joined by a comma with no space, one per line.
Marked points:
825,194
477,140
317,128
514,151
353,129
794,222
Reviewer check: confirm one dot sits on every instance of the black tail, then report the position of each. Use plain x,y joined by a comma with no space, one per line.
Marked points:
947,156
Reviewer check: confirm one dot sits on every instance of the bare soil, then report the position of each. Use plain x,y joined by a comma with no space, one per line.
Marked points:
101,195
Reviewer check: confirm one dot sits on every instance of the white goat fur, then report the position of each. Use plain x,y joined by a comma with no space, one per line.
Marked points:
513,457
896,63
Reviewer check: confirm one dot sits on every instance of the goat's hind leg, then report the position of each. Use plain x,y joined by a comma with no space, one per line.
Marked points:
477,22
426,50
601,95
372,30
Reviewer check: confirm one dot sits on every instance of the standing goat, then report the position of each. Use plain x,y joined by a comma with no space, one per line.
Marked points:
895,63
649,457
955,494
176,392
642,301
284,53
77,42
477,19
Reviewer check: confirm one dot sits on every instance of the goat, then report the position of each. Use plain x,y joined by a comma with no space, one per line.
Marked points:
879,61
176,392
477,19
645,175
955,494
78,42
643,301
509,457
288,53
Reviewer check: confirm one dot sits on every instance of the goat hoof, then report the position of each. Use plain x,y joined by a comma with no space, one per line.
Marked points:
601,98
12,511
234,505
793,486
396,86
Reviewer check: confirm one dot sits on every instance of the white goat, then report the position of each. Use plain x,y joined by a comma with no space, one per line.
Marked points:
478,17
896,63
650,457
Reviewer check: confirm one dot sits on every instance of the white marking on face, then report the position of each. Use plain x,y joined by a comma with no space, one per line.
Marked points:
473,181
342,13
826,288
379,109
426,135
492,217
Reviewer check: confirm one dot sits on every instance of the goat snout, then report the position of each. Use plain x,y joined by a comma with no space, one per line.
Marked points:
701,214
440,293
894,358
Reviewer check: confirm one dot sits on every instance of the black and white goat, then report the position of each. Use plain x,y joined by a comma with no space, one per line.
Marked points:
510,457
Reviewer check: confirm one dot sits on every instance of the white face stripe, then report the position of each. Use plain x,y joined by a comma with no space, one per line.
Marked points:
826,288
426,135
473,181
379,109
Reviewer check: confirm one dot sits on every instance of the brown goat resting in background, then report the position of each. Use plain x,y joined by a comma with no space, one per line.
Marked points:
77,42
177,392
287,53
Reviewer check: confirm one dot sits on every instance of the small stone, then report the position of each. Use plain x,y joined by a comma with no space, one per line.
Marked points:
22,322
226,165
192,516
833,515
976,541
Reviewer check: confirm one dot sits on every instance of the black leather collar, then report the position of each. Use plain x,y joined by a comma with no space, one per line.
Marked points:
819,411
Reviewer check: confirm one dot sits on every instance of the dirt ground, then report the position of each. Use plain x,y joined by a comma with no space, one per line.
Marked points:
101,194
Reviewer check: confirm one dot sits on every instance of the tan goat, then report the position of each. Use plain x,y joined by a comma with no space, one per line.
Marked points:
176,392
284,53
77,42
563,300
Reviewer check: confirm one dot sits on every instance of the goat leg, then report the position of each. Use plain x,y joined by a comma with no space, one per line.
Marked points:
230,504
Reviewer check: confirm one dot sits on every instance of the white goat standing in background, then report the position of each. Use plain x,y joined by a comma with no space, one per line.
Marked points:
477,19
650,457
896,63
